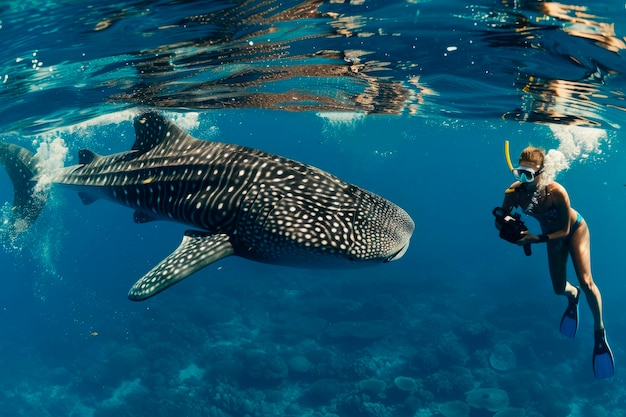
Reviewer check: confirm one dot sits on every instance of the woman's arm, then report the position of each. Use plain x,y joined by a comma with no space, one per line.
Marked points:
511,200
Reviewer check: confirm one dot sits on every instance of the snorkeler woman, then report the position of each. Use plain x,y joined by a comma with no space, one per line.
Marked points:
565,233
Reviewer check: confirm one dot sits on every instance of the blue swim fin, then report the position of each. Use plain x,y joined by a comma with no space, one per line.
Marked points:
569,321
603,364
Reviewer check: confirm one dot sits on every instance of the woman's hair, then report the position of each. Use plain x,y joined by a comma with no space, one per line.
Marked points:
534,155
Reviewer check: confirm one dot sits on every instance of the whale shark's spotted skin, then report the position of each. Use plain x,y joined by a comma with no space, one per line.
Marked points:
242,201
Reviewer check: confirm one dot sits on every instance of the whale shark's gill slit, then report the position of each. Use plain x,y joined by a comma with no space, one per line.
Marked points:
176,200
263,229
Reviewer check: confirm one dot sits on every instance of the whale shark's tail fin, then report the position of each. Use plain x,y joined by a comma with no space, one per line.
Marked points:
21,165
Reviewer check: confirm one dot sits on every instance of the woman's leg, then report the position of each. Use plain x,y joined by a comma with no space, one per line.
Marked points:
558,253
579,248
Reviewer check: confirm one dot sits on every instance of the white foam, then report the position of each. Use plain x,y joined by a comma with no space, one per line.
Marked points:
576,144
335,125
341,119
89,134
44,246
186,121
51,154
103,120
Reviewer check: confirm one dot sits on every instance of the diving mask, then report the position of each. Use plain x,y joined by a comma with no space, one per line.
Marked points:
525,174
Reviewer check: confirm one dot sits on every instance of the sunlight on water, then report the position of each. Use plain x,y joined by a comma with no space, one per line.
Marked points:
575,144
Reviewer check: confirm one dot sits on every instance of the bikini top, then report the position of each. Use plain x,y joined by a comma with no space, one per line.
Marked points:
549,215
543,217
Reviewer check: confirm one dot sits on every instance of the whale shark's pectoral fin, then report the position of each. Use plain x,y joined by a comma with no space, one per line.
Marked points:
197,250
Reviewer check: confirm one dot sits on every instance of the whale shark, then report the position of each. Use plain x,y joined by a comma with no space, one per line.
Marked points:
237,200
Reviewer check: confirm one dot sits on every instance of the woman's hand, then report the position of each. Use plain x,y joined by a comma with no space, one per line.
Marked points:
527,237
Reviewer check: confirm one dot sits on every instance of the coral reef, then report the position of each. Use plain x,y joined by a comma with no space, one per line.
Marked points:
292,352
502,357
454,408
491,399
262,368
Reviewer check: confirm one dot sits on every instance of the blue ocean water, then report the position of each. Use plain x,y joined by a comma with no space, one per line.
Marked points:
411,100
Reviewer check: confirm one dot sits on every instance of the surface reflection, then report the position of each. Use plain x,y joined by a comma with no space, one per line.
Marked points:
533,61
578,93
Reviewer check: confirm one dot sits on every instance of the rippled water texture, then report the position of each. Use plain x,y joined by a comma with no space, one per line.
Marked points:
536,61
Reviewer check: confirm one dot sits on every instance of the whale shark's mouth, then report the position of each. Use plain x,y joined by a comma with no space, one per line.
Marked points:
398,254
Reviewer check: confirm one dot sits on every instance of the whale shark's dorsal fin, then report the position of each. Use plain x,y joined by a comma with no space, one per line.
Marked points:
197,250
152,129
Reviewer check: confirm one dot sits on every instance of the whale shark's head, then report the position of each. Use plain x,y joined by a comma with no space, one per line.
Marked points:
326,221
381,229
296,214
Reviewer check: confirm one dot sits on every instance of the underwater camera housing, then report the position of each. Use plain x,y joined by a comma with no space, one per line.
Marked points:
511,227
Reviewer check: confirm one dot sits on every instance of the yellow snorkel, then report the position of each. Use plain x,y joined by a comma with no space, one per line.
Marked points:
507,155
